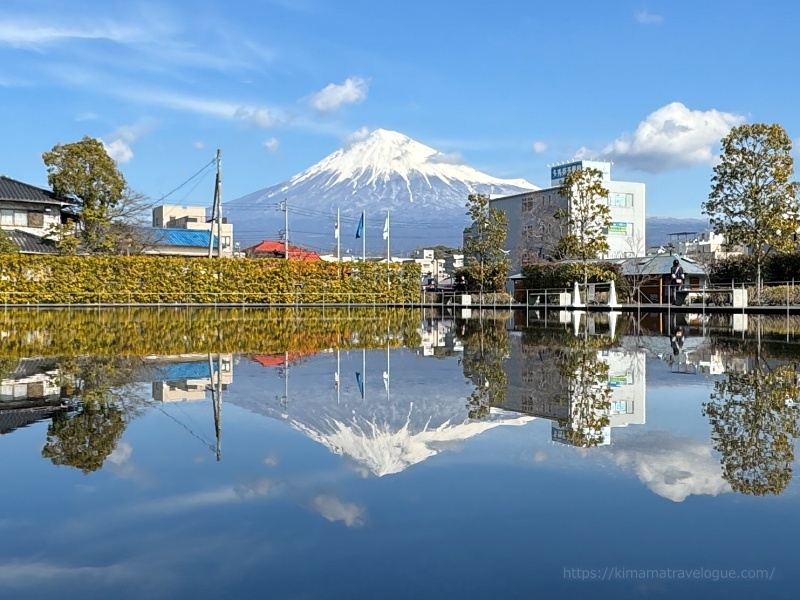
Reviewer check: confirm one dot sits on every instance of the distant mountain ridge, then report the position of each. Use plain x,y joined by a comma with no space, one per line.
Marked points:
425,190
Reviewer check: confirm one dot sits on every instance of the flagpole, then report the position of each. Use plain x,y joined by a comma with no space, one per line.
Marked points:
388,253
364,237
338,237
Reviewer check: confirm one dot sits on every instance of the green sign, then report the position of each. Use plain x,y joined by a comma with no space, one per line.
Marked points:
618,228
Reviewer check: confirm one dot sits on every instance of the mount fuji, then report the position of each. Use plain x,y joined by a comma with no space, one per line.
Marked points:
424,190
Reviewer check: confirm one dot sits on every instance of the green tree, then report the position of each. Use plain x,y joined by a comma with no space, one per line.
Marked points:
483,244
587,218
754,428
589,395
485,350
6,245
83,439
84,172
753,200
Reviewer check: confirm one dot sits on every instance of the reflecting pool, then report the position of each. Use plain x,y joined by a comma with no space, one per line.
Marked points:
243,453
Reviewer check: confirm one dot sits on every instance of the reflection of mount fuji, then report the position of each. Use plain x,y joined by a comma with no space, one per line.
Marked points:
399,423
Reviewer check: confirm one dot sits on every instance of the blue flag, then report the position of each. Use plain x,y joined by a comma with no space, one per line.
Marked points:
360,382
360,230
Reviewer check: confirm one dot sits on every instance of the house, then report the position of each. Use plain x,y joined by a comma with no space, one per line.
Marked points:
193,218
27,214
272,249
651,275
177,242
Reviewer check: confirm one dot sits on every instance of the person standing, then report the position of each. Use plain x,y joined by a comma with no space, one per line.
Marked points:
677,277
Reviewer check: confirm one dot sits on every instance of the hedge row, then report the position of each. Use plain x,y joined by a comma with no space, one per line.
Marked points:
776,267
169,331
159,279
540,276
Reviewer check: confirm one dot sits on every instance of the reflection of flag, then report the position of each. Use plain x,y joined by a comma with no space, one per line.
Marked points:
386,380
336,231
360,230
360,382
336,380
386,228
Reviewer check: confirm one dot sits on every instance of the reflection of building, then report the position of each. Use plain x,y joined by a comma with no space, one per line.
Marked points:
438,337
190,378
537,387
29,393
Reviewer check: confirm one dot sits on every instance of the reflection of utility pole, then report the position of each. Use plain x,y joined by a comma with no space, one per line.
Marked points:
284,400
216,400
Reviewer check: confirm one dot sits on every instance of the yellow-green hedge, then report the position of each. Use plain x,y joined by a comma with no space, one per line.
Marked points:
168,331
160,279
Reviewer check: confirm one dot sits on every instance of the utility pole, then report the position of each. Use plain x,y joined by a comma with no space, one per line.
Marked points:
215,209
285,209
338,237
218,194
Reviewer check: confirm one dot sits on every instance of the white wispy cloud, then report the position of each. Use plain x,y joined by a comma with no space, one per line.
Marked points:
28,33
358,135
333,95
672,137
333,509
448,158
271,145
539,147
646,18
118,143
257,116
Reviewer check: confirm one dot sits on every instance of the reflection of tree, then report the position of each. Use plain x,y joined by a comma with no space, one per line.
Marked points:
589,396
485,348
84,438
754,427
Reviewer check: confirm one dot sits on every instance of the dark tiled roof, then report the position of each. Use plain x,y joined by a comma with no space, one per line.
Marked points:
11,189
16,418
29,243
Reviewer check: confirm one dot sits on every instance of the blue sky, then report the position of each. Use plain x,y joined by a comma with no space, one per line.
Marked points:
278,84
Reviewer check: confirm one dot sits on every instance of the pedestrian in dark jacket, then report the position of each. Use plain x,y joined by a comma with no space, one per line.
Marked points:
677,278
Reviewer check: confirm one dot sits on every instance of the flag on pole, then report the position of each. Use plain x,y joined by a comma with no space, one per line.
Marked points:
360,230
386,228
360,382
336,231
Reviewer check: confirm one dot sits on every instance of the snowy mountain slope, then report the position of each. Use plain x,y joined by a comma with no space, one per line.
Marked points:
424,189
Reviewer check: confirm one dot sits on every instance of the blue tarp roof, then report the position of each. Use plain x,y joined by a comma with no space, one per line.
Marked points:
185,370
171,236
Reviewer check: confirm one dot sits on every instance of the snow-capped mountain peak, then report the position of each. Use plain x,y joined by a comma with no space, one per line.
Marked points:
384,171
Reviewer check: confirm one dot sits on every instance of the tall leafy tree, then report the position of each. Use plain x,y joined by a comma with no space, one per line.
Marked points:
753,200
84,172
483,244
587,217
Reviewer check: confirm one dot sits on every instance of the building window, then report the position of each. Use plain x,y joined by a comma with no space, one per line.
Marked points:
620,199
13,218
226,241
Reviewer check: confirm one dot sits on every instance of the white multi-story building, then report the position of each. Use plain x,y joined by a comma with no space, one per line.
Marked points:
193,218
534,232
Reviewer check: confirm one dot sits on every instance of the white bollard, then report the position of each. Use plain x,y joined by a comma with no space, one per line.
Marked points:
612,296
576,296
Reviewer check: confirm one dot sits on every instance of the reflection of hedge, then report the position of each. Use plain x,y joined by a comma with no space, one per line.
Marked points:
541,276
143,331
159,279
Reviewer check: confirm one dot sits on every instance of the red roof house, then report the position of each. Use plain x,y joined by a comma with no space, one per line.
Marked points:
270,249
